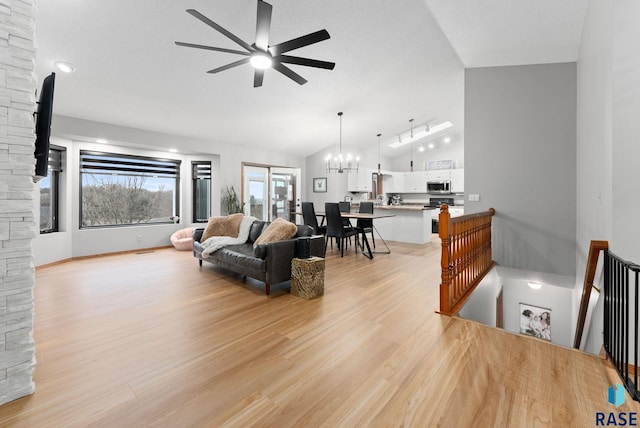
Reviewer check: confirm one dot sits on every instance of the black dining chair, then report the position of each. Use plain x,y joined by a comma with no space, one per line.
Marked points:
309,218
365,225
336,228
345,207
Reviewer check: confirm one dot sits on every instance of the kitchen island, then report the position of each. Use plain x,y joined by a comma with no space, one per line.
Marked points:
412,223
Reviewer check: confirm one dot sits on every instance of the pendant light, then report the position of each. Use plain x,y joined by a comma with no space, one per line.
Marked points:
411,148
379,172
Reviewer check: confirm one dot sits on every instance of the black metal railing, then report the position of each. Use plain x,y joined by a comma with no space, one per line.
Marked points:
621,313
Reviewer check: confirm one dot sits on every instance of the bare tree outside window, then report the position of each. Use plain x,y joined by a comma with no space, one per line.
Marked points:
115,200
128,191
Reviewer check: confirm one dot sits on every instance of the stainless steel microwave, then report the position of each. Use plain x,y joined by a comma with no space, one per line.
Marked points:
439,186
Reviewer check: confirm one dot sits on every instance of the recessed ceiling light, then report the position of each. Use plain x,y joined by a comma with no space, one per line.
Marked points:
421,149
535,285
65,67
432,146
101,141
173,150
447,140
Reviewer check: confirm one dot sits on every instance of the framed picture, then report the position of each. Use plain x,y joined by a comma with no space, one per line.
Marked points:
320,185
535,321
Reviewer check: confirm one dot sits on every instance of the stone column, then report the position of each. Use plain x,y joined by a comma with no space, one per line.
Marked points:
17,220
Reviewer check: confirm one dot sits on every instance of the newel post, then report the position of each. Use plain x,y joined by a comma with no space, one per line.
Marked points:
443,232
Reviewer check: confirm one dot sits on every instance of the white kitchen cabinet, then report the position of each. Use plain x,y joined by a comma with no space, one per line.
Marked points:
415,182
456,211
457,180
393,182
439,175
359,181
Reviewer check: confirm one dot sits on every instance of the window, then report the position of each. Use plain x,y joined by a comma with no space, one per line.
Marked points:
201,174
50,192
127,190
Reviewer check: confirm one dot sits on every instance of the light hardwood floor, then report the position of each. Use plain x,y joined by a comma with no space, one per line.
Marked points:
150,339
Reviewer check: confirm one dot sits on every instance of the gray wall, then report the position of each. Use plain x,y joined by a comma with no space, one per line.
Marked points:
520,152
626,133
594,169
608,135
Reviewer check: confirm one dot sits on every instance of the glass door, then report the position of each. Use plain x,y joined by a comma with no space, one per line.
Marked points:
270,192
256,192
285,193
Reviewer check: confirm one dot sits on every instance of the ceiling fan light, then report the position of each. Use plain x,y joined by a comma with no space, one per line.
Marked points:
261,61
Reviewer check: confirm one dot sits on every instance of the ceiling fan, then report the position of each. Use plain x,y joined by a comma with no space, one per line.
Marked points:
260,54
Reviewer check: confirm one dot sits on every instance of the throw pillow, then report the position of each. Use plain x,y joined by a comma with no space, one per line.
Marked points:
223,226
279,230
256,230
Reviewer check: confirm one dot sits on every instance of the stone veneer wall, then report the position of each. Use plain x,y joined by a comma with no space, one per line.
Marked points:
17,220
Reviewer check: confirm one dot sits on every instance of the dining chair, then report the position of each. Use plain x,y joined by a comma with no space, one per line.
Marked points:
345,207
309,218
336,228
365,225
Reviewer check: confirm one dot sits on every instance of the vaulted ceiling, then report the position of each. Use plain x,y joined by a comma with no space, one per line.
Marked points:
395,61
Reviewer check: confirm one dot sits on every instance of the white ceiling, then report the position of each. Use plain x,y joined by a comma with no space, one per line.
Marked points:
393,63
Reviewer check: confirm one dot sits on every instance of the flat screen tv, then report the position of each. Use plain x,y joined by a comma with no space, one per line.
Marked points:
43,126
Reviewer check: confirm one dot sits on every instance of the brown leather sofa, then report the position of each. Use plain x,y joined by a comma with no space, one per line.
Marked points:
269,263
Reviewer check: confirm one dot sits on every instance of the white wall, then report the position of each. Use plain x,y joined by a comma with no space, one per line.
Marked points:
556,299
453,151
556,294
336,183
520,151
229,170
481,305
73,134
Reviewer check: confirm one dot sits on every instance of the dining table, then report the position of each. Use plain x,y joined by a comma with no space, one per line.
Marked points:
365,242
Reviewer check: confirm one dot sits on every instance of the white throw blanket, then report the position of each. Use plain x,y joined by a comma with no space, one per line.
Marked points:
214,243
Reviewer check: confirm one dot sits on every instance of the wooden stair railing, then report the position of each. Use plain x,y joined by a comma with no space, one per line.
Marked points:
466,256
592,262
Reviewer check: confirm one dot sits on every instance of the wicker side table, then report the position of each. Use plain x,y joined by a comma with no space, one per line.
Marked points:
307,277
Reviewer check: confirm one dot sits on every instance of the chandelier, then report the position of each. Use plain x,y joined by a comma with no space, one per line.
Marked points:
339,163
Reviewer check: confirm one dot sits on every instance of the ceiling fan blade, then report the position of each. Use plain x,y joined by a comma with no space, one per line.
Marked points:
299,42
211,48
263,25
305,61
289,73
217,27
257,78
228,66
